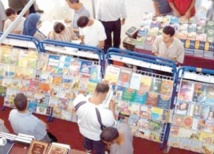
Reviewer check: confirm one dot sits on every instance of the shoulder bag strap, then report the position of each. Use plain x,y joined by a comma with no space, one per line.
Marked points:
79,104
99,119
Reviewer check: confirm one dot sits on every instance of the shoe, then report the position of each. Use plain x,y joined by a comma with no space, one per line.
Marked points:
40,11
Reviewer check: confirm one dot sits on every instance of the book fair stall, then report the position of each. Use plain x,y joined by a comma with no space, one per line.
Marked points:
192,125
143,94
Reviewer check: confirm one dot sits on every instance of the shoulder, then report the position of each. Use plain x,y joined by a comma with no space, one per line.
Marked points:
79,99
178,42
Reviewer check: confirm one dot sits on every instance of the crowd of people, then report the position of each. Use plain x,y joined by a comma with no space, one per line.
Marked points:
97,124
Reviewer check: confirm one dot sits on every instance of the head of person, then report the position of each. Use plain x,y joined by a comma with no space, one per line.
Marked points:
73,4
20,102
82,21
31,23
101,90
11,14
168,34
58,27
109,135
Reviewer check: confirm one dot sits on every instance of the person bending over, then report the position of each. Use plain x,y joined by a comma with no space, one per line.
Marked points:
119,140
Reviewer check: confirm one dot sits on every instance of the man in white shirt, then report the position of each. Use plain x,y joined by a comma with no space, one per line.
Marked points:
11,14
89,125
112,14
2,15
167,46
91,32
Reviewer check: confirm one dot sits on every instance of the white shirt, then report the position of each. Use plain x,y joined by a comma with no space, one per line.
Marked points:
93,34
2,15
19,26
175,50
111,10
88,123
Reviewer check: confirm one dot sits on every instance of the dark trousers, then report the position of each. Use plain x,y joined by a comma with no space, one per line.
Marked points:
98,147
115,28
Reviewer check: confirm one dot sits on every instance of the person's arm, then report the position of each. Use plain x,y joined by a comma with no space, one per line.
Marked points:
188,12
157,12
112,106
176,13
101,44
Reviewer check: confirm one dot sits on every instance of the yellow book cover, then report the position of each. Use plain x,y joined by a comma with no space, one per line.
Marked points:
112,74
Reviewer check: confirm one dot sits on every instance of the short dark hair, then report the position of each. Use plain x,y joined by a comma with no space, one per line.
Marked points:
82,21
9,12
59,27
109,134
102,87
20,102
73,1
169,30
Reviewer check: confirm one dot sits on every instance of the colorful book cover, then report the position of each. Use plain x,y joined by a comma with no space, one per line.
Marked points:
75,67
145,83
178,120
196,146
42,100
145,112
54,90
64,93
5,54
135,81
174,141
156,113
23,58
206,137
43,61
199,95
186,90
174,130
45,77
187,122
25,85
128,94
209,126
205,111
123,106
10,72
210,95
123,117
155,125
143,123
57,80
134,108
140,97
14,59
124,77
75,83
208,50
44,88
164,101
112,74
63,103
188,133
7,82
66,82
181,107
152,99
33,86
195,122
189,45
133,120
156,85
91,86
3,68
95,73
53,63
84,83
16,84
64,65
85,67
32,105
118,92
207,149
32,59
53,101
166,87
41,110
9,99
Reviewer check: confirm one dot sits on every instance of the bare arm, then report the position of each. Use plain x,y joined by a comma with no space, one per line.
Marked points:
174,9
157,12
101,44
188,13
112,105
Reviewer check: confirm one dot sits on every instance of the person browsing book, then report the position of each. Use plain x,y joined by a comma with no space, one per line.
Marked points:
22,121
169,47
31,25
119,139
88,121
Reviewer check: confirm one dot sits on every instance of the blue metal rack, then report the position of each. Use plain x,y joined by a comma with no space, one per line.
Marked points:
150,63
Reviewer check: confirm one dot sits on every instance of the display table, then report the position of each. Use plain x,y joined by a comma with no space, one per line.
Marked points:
189,60
19,148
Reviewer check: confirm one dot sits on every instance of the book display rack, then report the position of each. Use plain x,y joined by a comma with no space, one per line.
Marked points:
50,78
142,94
193,119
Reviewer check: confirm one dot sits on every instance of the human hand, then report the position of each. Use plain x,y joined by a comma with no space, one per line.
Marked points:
176,13
67,20
187,14
122,21
112,105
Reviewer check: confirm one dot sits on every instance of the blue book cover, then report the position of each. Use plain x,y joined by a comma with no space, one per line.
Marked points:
53,63
85,67
64,65
140,97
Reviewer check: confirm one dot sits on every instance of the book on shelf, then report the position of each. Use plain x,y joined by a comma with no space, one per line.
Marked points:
156,85
135,81
128,94
156,113
166,87
58,148
186,90
64,64
85,67
124,77
37,147
164,101
53,63
152,99
75,67
140,97
145,83
207,149
181,107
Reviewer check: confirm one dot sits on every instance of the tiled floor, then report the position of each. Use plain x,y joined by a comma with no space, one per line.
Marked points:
58,9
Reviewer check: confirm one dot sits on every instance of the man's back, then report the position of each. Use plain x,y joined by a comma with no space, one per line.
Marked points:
127,146
26,123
